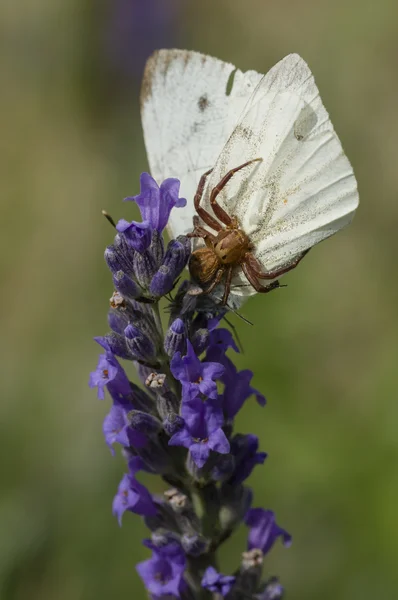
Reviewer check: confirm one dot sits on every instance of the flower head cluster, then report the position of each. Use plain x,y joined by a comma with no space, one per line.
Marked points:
180,423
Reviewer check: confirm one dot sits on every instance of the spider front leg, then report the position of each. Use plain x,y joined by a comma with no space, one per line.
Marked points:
255,267
218,211
203,214
200,232
227,287
215,281
252,279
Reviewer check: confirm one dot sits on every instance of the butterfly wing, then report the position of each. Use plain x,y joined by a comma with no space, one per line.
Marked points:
304,189
188,113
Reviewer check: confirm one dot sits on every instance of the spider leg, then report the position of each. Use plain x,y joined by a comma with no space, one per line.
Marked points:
204,215
218,211
227,287
215,281
201,232
256,269
252,279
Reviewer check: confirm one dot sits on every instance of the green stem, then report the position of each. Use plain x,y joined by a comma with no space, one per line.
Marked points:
206,505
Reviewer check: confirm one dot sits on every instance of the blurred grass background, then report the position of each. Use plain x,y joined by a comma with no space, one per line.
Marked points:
324,350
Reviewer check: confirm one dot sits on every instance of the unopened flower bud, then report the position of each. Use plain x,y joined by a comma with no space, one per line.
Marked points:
144,422
114,260
195,545
117,321
156,457
139,344
175,259
173,423
157,247
125,285
200,340
177,254
167,404
116,344
119,256
223,468
272,590
145,267
175,340
162,282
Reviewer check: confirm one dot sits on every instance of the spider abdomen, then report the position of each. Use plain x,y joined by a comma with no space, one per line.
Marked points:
204,264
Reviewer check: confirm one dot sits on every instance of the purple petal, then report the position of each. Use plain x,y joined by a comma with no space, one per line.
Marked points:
177,367
213,415
138,235
193,412
219,442
264,530
156,203
135,464
170,189
181,438
212,370
208,388
200,453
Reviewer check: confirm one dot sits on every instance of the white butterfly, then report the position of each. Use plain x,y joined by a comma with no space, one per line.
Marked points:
199,113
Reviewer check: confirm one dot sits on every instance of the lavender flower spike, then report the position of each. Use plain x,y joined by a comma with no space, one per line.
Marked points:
179,425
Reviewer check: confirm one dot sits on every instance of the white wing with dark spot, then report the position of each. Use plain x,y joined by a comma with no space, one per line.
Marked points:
187,118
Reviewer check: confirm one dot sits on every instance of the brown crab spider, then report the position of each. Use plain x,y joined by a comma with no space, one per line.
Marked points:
229,248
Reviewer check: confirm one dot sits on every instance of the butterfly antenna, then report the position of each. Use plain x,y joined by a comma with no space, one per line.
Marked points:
109,218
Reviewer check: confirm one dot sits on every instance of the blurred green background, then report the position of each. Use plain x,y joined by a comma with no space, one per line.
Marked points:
324,350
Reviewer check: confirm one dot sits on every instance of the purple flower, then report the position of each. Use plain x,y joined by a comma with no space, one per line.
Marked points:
163,573
132,495
138,235
117,428
263,530
237,389
109,373
272,591
196,376
202,430
220,340
244,449
156,203
216,582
